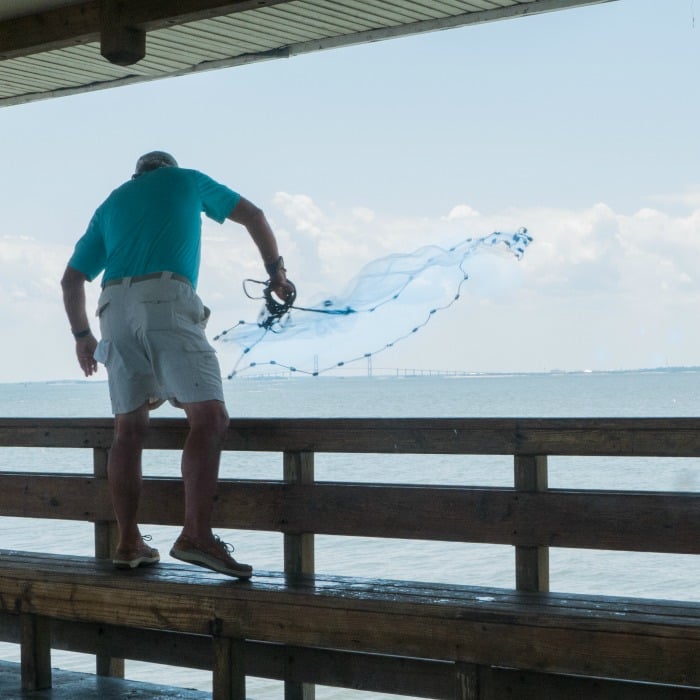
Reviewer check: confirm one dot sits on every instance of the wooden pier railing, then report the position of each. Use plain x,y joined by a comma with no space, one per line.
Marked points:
469,642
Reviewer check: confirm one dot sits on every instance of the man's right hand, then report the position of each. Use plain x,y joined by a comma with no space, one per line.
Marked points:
281,286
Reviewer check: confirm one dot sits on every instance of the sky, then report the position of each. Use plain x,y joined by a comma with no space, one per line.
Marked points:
582,125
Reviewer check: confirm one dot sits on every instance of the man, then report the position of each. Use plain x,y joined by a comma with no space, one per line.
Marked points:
146,238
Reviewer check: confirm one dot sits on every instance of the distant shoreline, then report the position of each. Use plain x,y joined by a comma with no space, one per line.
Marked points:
399,373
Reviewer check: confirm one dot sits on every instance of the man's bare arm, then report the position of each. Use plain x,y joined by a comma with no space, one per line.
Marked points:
257,225
73,285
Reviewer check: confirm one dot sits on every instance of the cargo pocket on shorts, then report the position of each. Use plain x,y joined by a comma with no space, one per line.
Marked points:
205,373
199,355
186,369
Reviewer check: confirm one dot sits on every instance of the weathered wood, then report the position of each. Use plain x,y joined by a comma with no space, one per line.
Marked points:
72,685
467,686
555,436
561,518
531,562
36,651
106,536
121,42
632,437
502,683
229,669
387,674
402,676
367,672
79,23
417,677
554,633
299,555
358,632
106,531
67,497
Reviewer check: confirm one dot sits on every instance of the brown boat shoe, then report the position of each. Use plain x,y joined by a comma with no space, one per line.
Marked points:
134,557
215,556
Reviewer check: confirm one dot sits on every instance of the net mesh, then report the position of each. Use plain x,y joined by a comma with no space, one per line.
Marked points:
389,300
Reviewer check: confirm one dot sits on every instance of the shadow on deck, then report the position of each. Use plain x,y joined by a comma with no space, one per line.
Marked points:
69,685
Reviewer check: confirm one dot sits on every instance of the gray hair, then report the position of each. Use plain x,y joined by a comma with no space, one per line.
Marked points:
153,161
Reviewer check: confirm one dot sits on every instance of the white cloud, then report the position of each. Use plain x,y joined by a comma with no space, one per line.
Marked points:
363,214
38,344
688,198
462,211
597,288
300,208
29,271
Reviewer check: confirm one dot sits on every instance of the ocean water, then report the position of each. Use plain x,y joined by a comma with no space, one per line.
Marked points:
640,394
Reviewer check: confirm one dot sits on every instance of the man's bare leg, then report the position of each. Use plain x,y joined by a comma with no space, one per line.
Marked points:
124,473
197,544
201,455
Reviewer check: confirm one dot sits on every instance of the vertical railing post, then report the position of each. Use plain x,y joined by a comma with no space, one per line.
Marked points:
299,548
531,562
229,669
36,652
299,555
466,681
106,535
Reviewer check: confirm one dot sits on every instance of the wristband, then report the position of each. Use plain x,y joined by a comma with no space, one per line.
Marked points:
273,268
81,334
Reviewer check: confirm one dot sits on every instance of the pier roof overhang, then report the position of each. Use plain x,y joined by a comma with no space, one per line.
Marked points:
51,48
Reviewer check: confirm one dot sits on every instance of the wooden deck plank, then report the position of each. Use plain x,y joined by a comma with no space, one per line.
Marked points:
69,685
277,587
588,635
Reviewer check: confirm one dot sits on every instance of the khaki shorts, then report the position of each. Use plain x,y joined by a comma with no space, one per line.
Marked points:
153,344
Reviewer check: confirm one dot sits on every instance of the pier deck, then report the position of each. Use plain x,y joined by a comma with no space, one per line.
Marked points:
70,685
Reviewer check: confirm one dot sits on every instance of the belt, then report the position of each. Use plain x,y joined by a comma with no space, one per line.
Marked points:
144,278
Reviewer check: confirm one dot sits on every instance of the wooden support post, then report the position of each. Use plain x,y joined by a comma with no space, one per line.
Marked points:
299,555
531,562
106,535
299,548
229,669
467,686
120,42
106,531
36,652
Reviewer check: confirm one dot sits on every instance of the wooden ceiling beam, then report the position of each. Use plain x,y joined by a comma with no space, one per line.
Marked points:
81,23
120,43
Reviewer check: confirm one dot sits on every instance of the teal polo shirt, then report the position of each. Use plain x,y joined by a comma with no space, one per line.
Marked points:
152,223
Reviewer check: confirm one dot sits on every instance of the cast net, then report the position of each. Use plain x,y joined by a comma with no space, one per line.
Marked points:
389,300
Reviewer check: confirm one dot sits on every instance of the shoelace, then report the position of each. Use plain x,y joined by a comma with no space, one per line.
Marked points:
226,546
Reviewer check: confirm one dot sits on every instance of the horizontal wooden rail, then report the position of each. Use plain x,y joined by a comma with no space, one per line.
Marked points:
377,673
633,437
627,521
